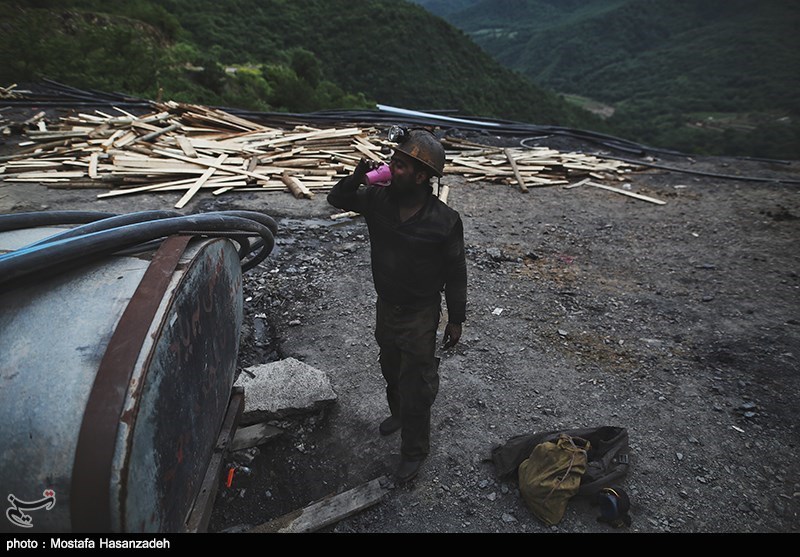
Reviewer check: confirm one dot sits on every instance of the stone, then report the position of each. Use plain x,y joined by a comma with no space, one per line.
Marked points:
284,388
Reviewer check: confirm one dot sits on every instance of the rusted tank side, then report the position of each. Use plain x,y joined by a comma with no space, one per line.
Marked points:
152,429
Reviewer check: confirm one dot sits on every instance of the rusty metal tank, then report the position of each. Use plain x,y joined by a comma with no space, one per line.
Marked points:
114,381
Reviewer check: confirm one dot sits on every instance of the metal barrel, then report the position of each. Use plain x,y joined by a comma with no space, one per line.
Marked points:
114,382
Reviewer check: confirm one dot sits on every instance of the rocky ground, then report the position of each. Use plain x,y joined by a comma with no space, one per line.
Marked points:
678,322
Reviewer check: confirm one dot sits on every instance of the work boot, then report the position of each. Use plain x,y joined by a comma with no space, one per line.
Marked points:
407,470
389,425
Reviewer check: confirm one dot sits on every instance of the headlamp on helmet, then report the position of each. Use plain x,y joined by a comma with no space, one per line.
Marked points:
421,145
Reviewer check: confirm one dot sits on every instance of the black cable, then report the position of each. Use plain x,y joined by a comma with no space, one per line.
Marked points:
702,173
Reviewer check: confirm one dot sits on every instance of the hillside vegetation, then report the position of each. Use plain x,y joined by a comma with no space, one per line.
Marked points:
271,55
711,77
717,76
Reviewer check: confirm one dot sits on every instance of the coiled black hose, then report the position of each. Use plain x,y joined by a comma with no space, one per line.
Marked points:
107,235
112,221
143,216
16,221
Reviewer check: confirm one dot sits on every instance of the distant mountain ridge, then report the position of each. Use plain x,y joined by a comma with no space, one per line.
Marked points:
711,77
664,65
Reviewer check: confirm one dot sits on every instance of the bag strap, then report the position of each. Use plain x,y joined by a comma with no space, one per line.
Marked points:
571,461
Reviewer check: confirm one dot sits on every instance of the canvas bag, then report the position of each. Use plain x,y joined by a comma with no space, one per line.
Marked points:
608,455
551,476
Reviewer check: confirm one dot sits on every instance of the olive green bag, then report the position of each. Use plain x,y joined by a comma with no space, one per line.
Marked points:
551,476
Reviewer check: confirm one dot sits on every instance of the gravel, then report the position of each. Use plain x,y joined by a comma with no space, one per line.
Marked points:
679,322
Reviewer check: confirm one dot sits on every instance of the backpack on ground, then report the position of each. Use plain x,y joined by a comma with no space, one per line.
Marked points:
551,476
606,452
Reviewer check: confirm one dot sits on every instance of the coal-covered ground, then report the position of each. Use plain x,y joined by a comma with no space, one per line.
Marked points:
586,307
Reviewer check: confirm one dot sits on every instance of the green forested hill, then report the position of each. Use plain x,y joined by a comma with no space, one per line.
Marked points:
710,75
301,56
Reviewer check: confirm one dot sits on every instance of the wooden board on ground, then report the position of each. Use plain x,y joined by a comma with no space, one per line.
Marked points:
253,435
200,515
628,193
329,510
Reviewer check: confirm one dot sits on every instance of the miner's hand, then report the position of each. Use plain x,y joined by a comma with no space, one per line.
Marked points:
452,334
363,166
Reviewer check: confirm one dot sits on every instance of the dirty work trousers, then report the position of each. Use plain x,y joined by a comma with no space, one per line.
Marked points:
406,337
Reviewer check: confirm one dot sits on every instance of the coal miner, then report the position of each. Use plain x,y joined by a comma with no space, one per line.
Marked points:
417,251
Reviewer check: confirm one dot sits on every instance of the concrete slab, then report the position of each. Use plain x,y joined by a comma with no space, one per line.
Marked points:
284,388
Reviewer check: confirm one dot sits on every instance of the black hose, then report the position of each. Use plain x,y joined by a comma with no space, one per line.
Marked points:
108,223
266,220
16,221
259,244
60,254
110,220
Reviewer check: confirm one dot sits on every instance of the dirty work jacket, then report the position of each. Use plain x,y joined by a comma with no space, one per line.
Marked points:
412,261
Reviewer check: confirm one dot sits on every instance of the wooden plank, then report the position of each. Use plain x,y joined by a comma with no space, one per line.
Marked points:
301,163
201,162
193,189
628,193
342,156
112,138
295,186
93,166
329,510
470,164
49,174
157,117
250,166
186,146
200,515
179,184
138,124
369,153
577,184
56,134
523,188
127,137
128,114
154,134
319,134
345,215
254,435
444,194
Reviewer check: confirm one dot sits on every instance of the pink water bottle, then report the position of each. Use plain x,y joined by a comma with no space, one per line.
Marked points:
380,176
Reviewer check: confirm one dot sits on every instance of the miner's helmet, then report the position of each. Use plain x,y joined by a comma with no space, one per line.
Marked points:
422,145
614,506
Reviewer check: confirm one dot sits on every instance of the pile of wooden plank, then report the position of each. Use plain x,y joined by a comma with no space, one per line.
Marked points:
528,167
186,149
